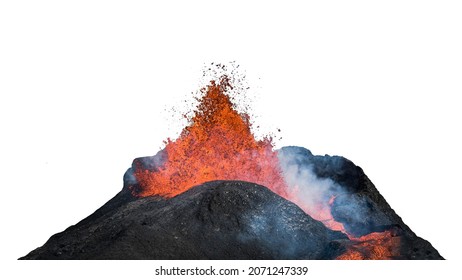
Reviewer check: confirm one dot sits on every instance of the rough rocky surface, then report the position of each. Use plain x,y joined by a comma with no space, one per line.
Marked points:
216,220
234,220
359,206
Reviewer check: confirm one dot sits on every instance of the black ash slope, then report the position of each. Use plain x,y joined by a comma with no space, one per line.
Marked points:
216,220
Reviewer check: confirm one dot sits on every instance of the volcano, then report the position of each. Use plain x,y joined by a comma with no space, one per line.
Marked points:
217,192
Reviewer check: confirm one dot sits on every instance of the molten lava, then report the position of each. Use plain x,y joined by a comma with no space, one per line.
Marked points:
373,246
218,145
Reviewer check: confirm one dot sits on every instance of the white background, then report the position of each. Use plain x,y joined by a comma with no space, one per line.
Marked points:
87,86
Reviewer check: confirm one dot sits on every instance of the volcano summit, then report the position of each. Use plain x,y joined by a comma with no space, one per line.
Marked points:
218,193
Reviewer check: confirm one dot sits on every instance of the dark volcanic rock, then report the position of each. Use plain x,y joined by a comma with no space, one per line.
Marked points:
237,220
216,220
358,205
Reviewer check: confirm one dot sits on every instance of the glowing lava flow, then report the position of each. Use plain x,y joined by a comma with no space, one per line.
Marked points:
373,246
219,145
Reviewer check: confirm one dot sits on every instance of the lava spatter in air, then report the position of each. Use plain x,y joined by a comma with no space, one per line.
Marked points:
218,144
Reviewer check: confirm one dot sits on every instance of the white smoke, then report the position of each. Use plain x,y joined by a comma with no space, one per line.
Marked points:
313,185
311,193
